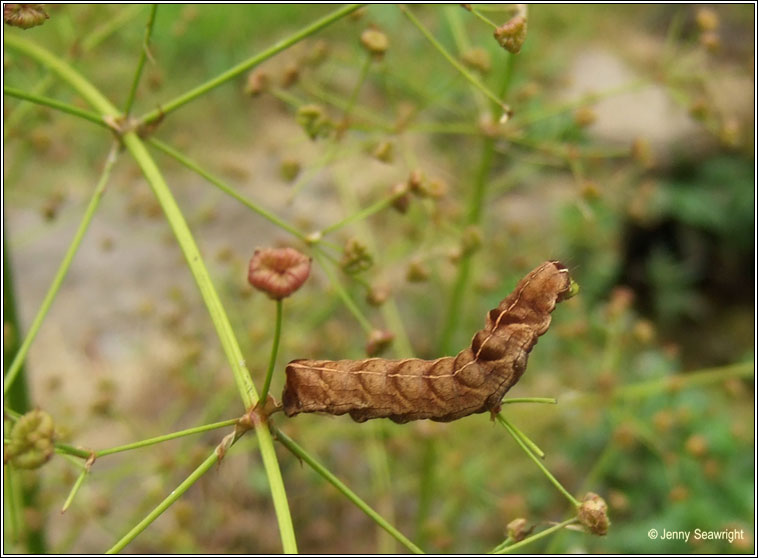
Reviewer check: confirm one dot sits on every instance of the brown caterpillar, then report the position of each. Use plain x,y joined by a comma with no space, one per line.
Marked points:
445,389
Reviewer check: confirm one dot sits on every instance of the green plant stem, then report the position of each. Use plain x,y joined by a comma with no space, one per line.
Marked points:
534,458
484,18
18,495
150,441
232,73
223,328
299,452
362,214
533,447
473,213
54,104
192,254
274,349
142,57
75,489
535,537
341,292
175,494
451,59
60,275
549,400
707,376
221,185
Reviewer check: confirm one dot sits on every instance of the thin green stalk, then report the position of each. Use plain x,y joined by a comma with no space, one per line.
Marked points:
342,293
166,437
75,489
142,57
19,496
274,349
375,207
300,453
533,447
473,213
549,400
60,275
221,185
55,104
484,18
232,73
175,494
539,463
452,60
535,537
195,262
707,376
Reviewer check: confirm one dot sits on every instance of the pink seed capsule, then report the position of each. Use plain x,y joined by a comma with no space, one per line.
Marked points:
278,272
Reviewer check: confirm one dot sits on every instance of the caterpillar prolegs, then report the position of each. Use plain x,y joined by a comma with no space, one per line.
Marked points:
446,389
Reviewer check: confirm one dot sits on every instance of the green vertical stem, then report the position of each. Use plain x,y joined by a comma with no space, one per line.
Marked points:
15,367
177,493
142,57
18,496
427,488
136,147
274,349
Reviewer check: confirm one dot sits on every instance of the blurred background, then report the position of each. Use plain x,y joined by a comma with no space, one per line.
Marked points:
629,156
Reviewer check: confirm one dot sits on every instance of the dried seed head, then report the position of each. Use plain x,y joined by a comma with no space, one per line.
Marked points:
375,42
584,117
355,257
402,198
519,529
24,16
31,440
384,151
291,75
471,240
417,272
278,272
478,59
377,295
314,120
707,19
512,34
593,514
257,82
378,341
289,169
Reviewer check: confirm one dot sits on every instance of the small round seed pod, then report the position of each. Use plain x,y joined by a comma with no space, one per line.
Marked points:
278,272
512,34
24,16
593,514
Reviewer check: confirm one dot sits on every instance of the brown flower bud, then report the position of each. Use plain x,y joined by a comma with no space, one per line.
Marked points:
377,295
278,272
289,169
384,152
31,440
519,529
417,272
402,199
291,75
512,34
24,16
257,82
584,117
593,514
478,59
375,42
378,341
707,19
